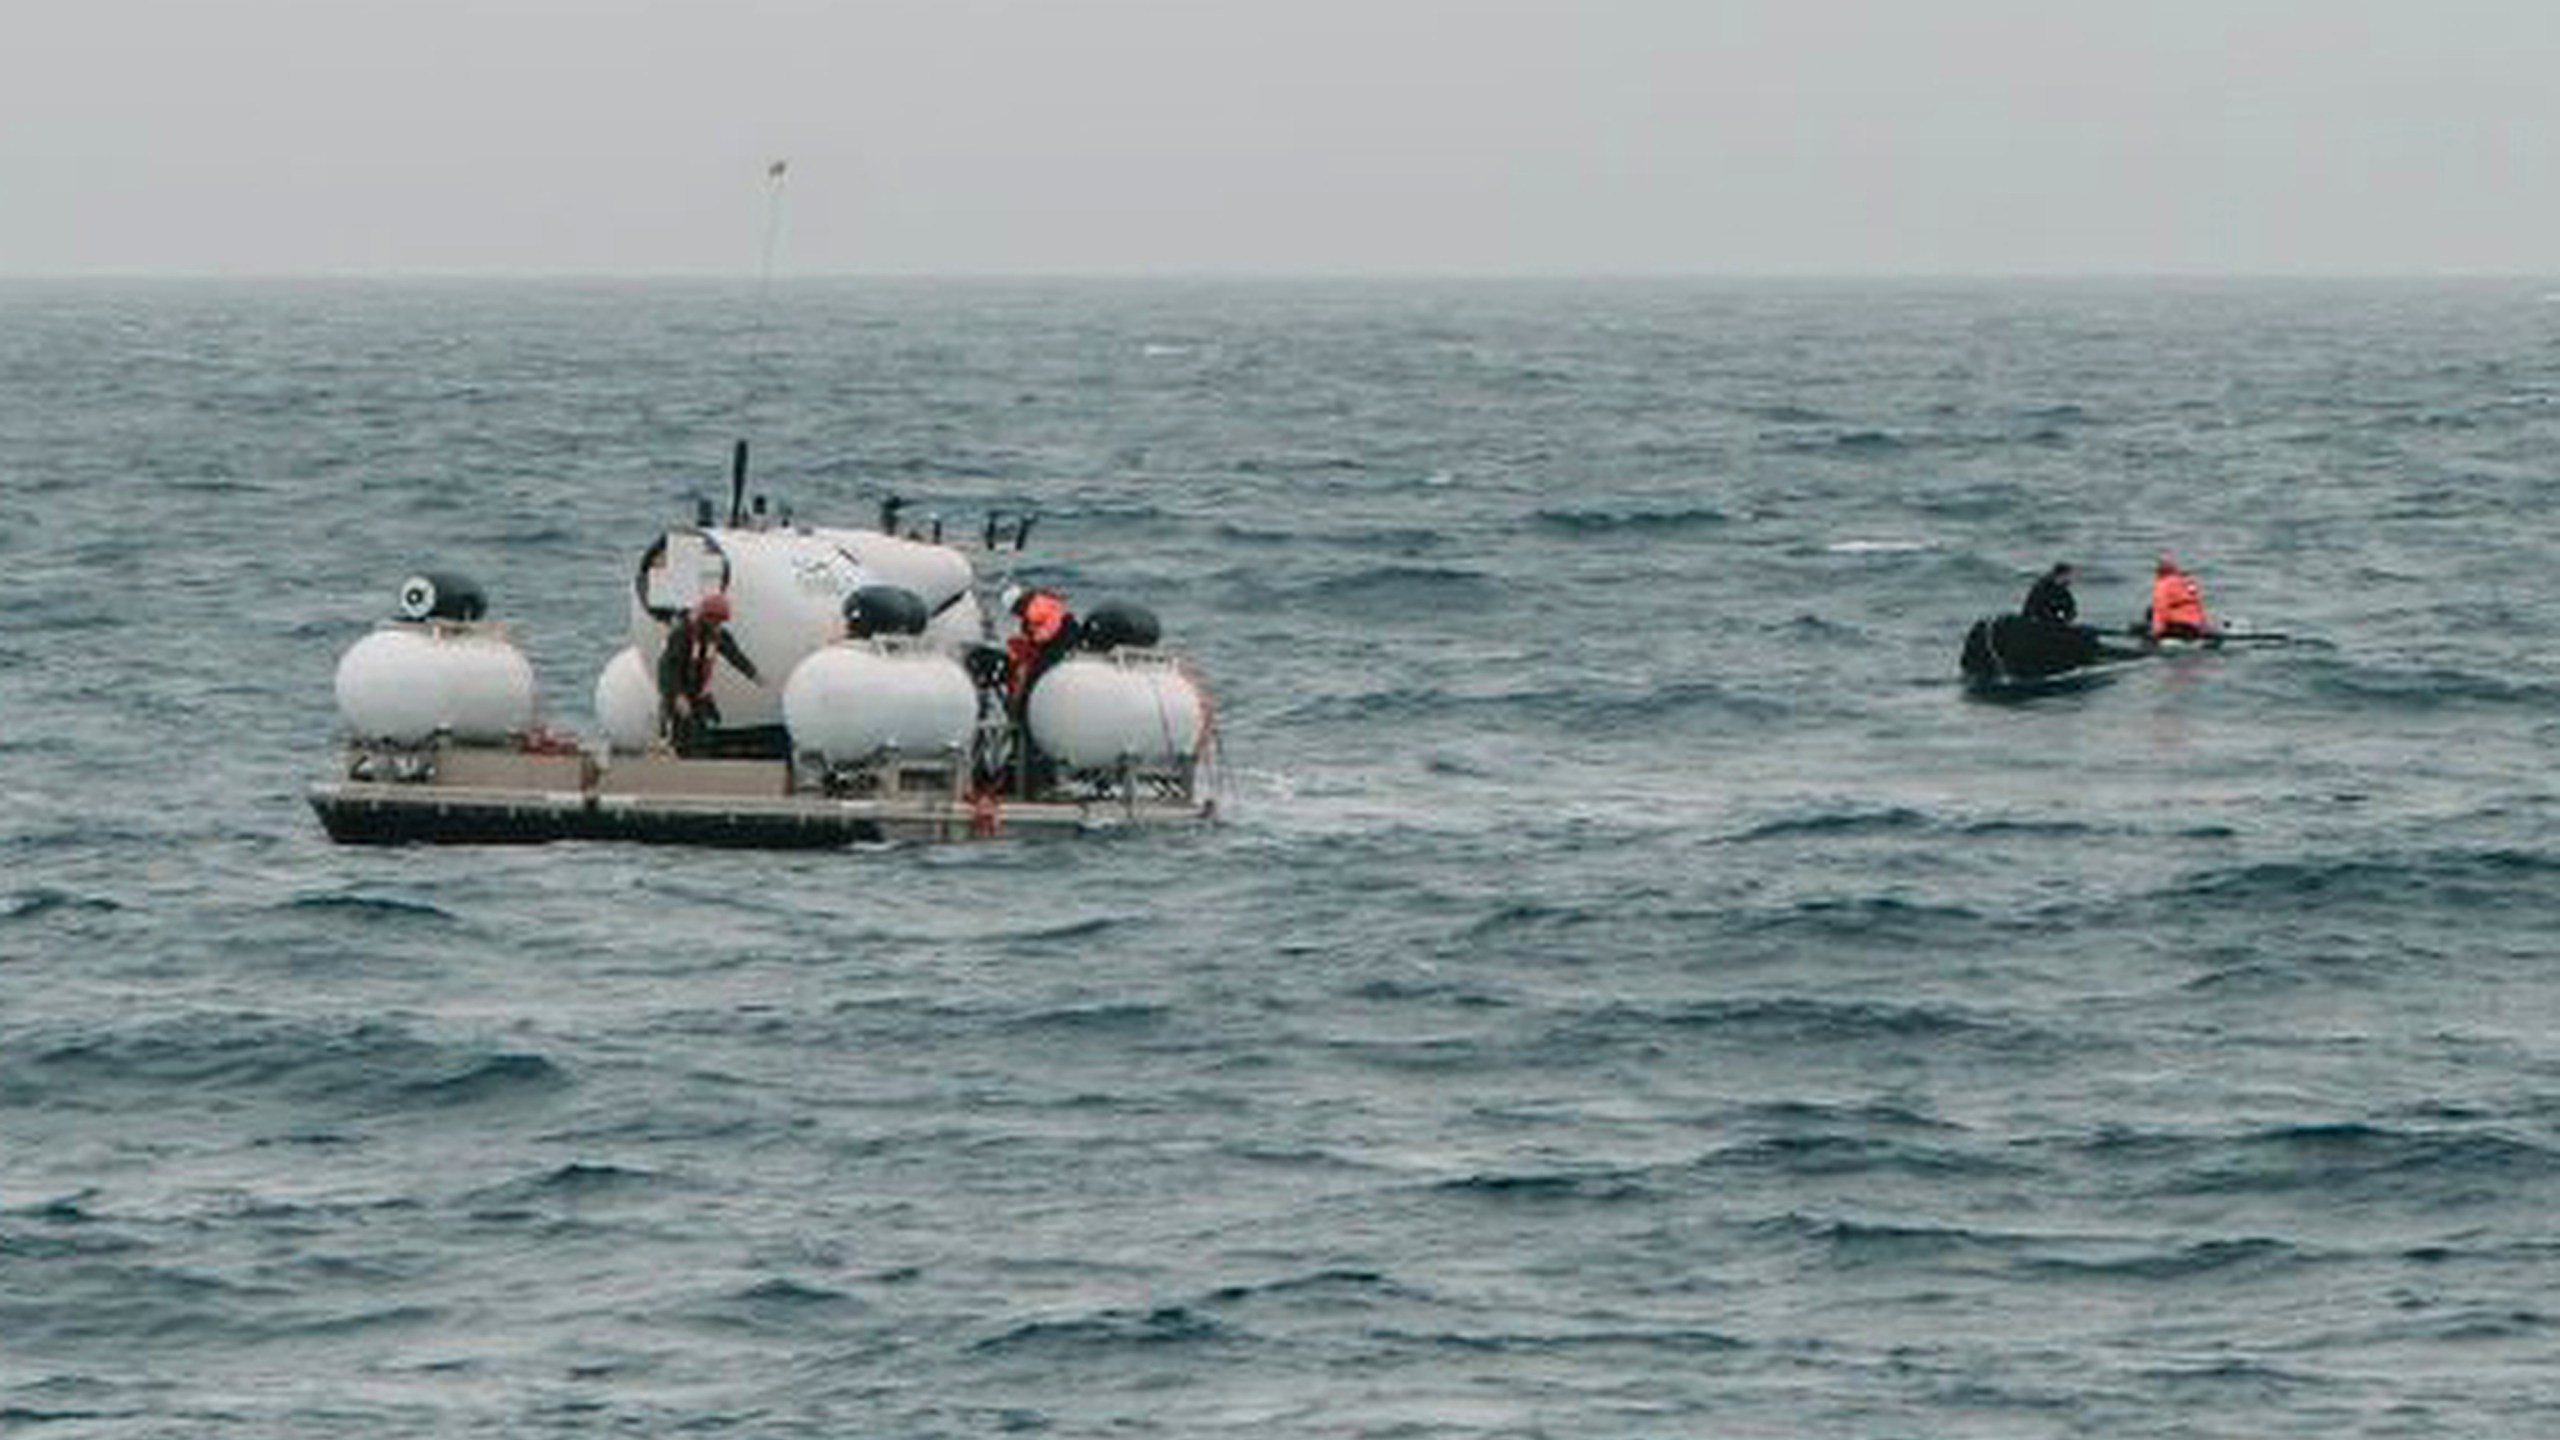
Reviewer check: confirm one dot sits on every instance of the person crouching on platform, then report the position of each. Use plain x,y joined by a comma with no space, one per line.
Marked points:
686,711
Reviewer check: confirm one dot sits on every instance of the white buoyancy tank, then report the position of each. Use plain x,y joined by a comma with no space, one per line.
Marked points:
786,592
856,698
1127,707
627,702
405,682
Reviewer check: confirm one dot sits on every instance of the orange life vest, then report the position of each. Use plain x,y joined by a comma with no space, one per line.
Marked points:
2176,603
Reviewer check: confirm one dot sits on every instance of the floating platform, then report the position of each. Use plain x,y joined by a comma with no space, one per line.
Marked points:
829,687
469,796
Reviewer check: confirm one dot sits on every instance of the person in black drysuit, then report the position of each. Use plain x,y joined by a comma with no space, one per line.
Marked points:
2050,598
2051,640
686,711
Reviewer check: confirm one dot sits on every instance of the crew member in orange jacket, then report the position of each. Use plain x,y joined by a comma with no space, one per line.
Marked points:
1047,630
2177,606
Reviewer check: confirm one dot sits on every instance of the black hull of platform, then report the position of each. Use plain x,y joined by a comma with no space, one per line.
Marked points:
426,822
357,813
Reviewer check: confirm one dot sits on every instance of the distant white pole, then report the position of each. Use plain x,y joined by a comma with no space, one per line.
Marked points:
774,175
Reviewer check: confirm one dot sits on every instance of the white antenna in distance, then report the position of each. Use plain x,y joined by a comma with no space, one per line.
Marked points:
774,175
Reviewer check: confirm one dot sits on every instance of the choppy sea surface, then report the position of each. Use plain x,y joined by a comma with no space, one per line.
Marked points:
1634,991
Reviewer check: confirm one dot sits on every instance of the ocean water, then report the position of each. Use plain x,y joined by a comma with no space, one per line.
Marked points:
1634,991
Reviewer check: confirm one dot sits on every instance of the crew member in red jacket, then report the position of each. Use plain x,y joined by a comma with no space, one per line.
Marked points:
686,711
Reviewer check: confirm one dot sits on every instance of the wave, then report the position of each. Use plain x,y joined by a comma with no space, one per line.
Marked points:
1402,540
1615,524
1661,1342
1457,767
1397,588
1106,513
506,1076
69,612
1901,821
65,1240
2346,1161
2430,689
1687,699
1341,1283
357,1322
573,1185
1785,413
1111,1329
1589,710
1060,932
1234,532
2472,1323
70,1209
1864,917
582,1178
1869,1242
1799,1115
213,482
2452,880
2257,1255
1123,1019
1864,444
1604,1186
1831,1155
372,905
2410,417
2056,829
1797,1020
1999,501
2043,430
38,903
2258,1379
1816,629
784,1294
1386,596
1833,824
168,1306
369,1066
1543,915
1301,465
537,535
16,1415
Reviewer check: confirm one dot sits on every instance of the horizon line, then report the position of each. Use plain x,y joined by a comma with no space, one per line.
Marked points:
426,274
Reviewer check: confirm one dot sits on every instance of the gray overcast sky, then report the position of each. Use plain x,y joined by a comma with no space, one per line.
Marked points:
1395,136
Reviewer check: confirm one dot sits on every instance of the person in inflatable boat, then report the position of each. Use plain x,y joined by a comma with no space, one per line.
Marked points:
2050,598
686,711
2177,606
